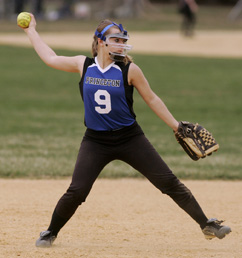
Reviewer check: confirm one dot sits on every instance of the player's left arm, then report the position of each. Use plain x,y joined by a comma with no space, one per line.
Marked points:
138,80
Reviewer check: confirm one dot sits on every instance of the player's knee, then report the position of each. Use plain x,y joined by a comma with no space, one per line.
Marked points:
172,185
79,195
176,189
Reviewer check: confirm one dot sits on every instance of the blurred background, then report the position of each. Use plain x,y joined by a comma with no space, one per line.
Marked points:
163,14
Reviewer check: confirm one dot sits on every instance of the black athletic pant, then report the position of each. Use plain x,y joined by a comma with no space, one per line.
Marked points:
131,146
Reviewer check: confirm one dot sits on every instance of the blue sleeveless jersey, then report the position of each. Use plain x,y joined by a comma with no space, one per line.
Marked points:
108,99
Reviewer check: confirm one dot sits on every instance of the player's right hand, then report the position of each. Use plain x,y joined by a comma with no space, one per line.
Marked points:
32,24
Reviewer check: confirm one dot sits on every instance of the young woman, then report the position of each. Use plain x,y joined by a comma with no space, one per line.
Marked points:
107,83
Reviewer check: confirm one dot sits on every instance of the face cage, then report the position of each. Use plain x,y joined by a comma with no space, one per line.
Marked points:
116,56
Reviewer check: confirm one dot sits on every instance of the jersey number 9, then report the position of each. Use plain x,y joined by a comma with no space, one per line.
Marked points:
103,99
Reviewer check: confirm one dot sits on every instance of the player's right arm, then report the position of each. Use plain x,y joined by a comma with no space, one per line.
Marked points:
49,57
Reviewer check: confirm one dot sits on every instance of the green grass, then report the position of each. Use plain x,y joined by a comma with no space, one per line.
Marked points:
41,115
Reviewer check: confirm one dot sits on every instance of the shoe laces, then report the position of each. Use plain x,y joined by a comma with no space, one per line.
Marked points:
215,223
46,235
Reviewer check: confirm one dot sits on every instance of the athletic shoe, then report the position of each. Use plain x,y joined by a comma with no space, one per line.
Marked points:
214,229
46,239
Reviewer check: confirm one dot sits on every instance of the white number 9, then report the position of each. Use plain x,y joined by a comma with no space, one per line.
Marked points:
102,97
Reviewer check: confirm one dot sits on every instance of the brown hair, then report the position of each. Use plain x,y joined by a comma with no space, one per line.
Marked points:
100,27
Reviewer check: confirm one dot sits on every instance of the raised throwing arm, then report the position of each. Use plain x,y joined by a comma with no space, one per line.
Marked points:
49,57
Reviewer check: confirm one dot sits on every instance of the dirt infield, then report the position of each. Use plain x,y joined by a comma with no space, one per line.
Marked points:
206,44
121,218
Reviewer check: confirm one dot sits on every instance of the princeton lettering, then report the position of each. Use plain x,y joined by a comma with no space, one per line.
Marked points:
102,82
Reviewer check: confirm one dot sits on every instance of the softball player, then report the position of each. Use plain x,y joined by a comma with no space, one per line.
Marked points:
106,86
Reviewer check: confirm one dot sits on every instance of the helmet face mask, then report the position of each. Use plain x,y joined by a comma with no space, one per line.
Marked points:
118,50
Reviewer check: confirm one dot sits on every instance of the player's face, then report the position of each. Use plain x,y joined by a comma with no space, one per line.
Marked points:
116,43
